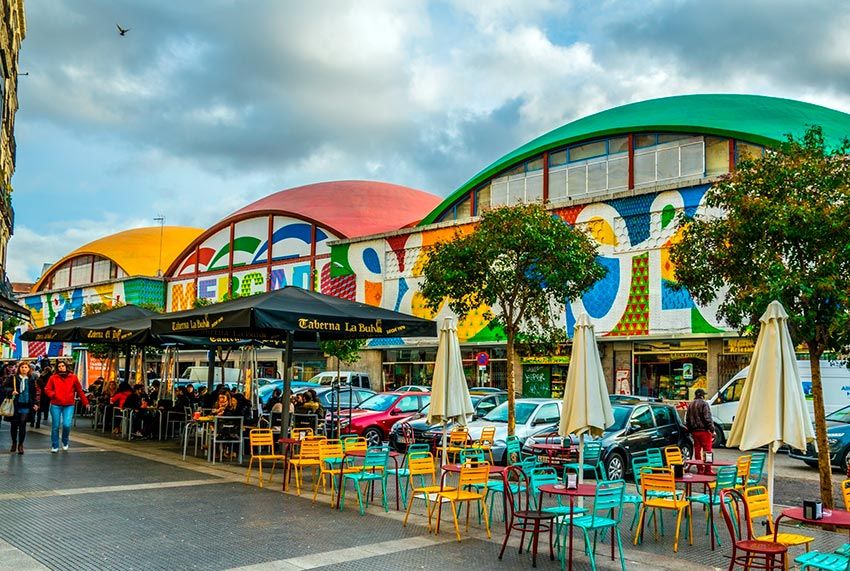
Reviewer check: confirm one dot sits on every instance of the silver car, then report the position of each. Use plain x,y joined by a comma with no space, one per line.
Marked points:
532,415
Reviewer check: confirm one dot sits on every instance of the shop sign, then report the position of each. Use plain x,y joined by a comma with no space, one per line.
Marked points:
546,360
743,345
623,382
688,371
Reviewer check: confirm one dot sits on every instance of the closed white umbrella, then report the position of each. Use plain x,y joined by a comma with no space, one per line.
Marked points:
586,408
773,409
450,400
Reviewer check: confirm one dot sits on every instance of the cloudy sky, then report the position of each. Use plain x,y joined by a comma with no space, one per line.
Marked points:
206,105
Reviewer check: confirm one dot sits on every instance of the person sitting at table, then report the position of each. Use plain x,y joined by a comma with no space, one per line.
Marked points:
142,416
182,400
117,401
275,398
95,389
222,405
191,394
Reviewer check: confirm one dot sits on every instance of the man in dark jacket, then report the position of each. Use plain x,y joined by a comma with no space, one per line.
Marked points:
699,423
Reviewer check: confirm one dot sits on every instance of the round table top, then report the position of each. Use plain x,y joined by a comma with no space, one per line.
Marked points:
457,467
836,517
704,463
289,440
362,453
696,479
561,490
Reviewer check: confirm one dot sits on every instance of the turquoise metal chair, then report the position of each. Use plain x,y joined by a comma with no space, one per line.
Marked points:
403,472
826,561
543,476
473,455
756,468
655,457
513,451
592,460
607,513
374,469
727,477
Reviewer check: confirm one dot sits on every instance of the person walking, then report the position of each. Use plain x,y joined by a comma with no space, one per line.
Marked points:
26,394
699,423
61,388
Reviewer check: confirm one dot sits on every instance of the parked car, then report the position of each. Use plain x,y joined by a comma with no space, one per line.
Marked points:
374,417
838,439
532,415
482,403
267,390
355,378
636,427
413,389
835,377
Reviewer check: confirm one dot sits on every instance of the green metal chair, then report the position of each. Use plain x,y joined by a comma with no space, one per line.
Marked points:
727,477
607,513
543,476
592,460
826,561
374,469
474,455
655,457
756,468
513,451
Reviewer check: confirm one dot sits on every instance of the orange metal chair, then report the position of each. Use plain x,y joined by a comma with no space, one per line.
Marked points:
458,440
308,457
673,456
486,440
758,506
422,468
472,487
659,492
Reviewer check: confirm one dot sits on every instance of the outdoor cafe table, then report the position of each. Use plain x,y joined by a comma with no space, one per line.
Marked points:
705,479
700,463
362,454
584,490
834,517
494,471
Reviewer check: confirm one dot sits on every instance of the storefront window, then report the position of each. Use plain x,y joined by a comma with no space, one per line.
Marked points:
670,370
416,367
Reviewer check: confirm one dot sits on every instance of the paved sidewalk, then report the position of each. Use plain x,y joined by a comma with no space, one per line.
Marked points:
112,504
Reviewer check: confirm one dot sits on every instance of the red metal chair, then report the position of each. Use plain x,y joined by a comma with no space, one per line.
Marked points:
523,517
747,552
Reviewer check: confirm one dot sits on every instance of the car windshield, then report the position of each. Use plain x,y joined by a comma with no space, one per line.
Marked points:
840,415
379,402
621,417
500,414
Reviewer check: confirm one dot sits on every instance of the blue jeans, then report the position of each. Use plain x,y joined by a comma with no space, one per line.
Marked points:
66,415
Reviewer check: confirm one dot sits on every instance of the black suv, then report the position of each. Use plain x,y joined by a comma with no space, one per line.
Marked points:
637,426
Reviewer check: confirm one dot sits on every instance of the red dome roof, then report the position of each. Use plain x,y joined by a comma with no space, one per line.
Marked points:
350,207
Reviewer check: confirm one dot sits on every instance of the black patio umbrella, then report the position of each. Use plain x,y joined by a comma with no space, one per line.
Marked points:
125,325
292,314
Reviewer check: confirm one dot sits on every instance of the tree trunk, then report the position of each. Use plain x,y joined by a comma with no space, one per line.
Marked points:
824,465
511,385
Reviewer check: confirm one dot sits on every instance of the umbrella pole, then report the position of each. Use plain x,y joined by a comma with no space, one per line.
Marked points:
770,474
443,454
580,466
287,385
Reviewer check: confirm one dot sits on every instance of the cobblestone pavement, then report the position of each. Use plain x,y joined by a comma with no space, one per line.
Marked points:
110,504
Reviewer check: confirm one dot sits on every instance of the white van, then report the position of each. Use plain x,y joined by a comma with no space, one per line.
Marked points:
835,378
231,375
353,378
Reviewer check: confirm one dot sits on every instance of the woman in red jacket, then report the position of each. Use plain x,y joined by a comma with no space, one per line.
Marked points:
61,387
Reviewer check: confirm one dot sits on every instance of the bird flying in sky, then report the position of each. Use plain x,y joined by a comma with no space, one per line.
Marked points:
121,30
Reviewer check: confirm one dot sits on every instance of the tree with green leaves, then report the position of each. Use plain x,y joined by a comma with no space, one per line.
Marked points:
345,351
522,262
777,229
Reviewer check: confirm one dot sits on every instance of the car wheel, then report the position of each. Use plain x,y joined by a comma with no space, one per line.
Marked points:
846,462
373,436
719,437
615,466
687,451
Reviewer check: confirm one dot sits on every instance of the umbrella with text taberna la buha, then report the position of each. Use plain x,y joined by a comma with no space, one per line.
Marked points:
292,314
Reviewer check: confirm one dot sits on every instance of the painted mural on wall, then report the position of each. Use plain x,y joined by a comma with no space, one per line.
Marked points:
636,297
291,238
54,307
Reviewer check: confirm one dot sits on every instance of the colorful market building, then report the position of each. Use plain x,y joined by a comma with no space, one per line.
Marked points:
623,175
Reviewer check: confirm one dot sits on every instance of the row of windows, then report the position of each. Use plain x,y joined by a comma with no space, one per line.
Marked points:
603,166
83,270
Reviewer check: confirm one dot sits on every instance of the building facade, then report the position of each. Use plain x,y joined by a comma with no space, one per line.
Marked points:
624,176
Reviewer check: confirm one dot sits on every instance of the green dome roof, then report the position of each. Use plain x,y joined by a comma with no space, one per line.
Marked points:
753,118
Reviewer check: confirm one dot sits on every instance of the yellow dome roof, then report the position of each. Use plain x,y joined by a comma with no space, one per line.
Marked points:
135,251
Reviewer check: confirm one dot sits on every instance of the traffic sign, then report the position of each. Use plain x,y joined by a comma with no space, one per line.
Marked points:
482,358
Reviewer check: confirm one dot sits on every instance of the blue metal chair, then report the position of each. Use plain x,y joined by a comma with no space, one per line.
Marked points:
727,477
607,513
374,469
403,472
592,460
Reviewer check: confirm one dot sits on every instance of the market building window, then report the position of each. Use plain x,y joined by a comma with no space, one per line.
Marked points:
670,369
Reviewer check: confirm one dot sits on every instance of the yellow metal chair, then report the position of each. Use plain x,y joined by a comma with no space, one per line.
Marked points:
471,487
845,494
422,467
301,433
308,457
458,440
259,439
758,506
743,464
486,440
673,456
659,491
355,444
330,466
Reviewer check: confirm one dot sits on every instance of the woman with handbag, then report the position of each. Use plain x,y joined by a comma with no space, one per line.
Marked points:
25,393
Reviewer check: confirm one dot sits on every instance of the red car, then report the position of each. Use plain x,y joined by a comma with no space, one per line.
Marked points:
375,416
